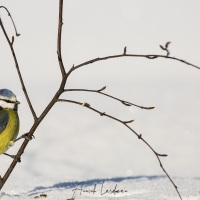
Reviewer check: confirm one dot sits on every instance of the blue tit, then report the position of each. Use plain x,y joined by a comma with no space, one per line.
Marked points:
9,119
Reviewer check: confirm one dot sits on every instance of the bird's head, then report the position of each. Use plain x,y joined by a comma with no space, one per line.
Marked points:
8,99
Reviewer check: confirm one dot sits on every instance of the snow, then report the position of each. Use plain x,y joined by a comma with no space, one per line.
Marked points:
134,188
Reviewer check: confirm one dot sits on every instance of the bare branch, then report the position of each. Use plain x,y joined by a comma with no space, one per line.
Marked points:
103,88
167,44
166,48
10,43
128,122
125,50
60,22
17,34
126,103
125,124
151,56
46,110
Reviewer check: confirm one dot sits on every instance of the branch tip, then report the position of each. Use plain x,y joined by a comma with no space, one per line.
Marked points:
147,108
166,48
103,88
125,50
167,44
162,47
17,34
151,108
13,39
127,122
161,155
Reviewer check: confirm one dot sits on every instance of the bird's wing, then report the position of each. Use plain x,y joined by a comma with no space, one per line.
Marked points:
4,117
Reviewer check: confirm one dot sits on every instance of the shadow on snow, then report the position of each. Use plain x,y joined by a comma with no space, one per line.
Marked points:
91,182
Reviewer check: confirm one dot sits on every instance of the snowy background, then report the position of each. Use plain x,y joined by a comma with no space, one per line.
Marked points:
74,144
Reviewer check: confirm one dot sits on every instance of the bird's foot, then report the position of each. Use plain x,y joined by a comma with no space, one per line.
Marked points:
25,136
13,157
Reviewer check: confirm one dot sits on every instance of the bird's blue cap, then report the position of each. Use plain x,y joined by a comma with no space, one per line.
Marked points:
8,95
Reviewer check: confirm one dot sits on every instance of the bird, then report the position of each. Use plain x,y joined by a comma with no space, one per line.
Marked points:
9,119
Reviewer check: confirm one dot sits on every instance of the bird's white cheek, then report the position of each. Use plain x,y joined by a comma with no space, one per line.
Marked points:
4,104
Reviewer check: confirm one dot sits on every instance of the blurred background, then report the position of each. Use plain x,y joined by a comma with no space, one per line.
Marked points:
74,143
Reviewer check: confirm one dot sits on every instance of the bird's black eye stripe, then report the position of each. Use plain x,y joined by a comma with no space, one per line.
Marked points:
7,101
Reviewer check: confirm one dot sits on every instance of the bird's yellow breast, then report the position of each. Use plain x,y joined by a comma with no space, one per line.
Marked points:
9,134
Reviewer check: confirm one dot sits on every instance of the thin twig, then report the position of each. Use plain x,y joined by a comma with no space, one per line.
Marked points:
10,43
59,37
125,123
9,14
126,103
165,48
